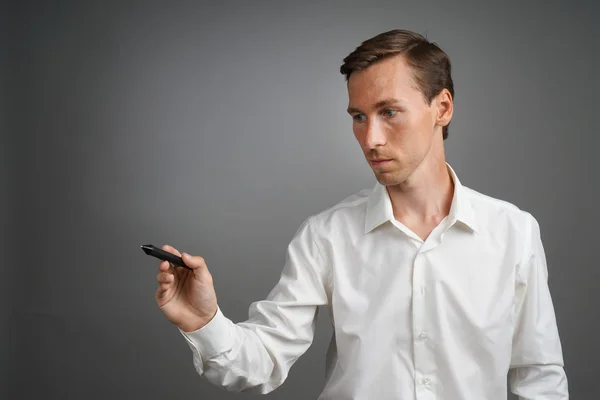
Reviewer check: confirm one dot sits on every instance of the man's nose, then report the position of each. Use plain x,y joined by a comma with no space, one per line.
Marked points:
374,135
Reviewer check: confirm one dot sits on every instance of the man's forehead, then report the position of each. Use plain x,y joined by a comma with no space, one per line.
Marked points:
373,91
368,92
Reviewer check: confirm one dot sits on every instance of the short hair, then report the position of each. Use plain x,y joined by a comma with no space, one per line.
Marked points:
431,65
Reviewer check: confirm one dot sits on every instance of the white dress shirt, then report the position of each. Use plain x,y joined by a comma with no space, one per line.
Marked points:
447,318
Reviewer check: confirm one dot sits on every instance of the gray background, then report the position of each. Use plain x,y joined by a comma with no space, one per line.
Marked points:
7,287
219,129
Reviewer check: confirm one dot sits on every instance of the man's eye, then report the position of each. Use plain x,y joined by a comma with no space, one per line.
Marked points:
390,113
359,117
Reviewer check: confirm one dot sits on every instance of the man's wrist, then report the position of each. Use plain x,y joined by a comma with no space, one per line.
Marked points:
216,336
192,326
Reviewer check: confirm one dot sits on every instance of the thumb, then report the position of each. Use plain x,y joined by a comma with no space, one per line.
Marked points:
196,263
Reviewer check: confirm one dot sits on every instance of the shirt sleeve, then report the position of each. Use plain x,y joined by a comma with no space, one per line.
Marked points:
536,370
256,355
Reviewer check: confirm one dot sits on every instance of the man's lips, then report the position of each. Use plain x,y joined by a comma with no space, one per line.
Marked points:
379,161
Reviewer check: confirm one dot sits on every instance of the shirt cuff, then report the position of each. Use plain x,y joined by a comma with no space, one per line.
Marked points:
213,338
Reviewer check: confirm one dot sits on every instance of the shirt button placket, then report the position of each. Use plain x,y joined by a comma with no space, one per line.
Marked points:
423,381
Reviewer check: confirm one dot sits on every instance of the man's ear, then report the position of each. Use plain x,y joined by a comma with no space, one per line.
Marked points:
445,107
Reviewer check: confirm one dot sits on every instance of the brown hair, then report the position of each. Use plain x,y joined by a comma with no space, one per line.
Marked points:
430,63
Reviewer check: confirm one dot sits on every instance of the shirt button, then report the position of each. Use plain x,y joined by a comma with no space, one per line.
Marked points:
423,335
425,381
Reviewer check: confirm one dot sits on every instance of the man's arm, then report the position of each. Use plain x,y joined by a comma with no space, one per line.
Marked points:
536,371
256,355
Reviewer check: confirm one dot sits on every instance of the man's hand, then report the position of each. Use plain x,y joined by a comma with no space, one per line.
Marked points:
187,298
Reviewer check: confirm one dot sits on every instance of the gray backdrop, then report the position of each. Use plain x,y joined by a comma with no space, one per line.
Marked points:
219,129
6,207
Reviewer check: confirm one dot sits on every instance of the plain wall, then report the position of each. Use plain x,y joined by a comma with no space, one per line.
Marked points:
8,243
218,128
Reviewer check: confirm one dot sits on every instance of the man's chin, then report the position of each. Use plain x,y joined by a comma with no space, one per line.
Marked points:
386,178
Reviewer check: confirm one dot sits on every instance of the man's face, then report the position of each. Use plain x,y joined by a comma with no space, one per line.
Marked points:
391,119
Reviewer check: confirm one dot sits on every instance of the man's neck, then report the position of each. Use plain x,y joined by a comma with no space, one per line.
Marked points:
425,198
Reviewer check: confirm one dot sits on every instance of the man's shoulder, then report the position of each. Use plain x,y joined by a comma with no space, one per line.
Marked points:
495,209
350,209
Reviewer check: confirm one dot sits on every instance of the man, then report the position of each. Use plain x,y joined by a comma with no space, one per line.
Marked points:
435,291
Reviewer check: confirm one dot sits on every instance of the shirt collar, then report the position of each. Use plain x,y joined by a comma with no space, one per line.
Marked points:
379,206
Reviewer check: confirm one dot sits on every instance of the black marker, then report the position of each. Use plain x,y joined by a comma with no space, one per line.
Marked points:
163,255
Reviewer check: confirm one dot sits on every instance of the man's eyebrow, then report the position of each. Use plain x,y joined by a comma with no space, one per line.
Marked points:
379,104
386,102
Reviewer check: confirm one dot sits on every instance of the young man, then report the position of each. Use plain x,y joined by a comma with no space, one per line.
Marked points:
435,291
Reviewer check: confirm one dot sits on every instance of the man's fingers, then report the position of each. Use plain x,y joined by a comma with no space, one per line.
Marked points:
172,250
194,262
164,284
164,266
165,277
160,291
